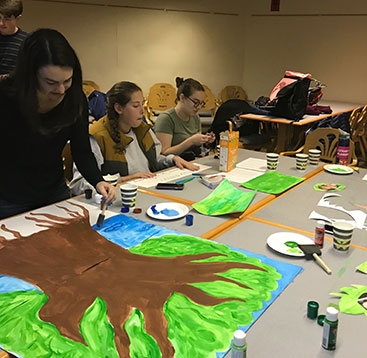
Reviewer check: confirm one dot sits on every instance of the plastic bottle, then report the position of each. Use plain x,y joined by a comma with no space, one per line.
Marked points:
319,233
330,329
342,153
239,346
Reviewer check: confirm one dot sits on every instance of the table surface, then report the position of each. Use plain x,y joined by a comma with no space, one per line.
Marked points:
336,107
284,323
290,132
283,330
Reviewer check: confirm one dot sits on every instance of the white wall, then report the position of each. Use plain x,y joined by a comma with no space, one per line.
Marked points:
325,38
248,45
146,45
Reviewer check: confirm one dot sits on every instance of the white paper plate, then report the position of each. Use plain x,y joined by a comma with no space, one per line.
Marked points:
338,169
277,242
167,211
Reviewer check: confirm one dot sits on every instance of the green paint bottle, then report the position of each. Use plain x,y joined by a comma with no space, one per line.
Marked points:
330,329
239,346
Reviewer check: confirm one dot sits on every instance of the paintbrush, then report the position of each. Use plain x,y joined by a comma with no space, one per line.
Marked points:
101,216
313,251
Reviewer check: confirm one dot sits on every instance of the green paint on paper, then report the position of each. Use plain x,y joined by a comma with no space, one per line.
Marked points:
97,330
142,344
272,182
224,199
362,267
36,338
353,299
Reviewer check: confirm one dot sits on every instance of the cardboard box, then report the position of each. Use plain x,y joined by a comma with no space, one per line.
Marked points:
228,145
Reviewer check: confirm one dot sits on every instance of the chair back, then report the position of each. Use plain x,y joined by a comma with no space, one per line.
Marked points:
211,103
358,131
67,163
161,96
326,140
232,92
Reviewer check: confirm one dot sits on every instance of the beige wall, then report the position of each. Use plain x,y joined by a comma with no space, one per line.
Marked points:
247,45
325,38
146,46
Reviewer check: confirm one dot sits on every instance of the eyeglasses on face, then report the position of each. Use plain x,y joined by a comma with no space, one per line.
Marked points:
196,102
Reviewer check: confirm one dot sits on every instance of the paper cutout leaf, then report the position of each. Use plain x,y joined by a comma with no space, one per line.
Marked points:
362,267
353,299
272,182
224,199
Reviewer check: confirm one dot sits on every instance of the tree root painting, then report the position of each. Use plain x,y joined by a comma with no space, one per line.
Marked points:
171,295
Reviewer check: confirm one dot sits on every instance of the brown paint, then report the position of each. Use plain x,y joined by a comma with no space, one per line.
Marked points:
72,264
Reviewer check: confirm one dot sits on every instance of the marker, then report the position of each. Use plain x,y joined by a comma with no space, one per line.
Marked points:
199,174
184,180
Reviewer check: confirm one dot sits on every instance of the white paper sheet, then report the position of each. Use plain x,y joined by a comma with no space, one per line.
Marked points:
246,170
170,175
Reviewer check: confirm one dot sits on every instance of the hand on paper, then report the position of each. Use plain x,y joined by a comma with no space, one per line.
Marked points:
182,164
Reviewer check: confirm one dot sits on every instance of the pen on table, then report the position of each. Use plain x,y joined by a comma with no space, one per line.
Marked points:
199,174
184,180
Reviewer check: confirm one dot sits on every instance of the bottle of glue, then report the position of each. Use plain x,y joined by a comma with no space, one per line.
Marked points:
319,233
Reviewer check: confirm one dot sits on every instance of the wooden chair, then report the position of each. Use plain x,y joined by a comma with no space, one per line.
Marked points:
326,140
232,92
358,130
67,163
211,103
89,86
161,96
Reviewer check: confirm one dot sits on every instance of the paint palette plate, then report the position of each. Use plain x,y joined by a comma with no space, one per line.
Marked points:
278,240
338,169
167,211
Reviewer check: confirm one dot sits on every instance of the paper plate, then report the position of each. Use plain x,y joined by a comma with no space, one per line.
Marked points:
167,211
278,240
338,169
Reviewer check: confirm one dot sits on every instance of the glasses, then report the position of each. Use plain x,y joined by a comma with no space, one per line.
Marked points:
197,103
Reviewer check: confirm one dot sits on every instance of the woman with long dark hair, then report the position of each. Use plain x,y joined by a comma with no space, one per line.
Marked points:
42,106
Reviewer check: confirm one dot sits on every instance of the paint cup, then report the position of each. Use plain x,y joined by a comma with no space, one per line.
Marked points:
98,198
88,193
301,161
314,156
128,194
342,235
272,160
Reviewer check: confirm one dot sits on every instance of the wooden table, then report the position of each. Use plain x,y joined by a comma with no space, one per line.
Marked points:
288,130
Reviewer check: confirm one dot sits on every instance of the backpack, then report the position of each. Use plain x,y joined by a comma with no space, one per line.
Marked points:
289,98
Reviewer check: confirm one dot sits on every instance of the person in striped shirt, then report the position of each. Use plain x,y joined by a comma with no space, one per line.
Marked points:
11,36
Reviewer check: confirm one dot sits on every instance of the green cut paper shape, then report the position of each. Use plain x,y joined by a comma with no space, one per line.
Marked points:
224,199
272,182
349,299
362,267
337,187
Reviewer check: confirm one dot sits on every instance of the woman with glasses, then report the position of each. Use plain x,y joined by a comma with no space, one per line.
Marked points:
179,128
42,107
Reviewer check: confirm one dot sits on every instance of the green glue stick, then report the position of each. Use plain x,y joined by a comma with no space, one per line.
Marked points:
238,345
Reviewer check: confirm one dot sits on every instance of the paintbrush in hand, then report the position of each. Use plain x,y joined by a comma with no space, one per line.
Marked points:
101,216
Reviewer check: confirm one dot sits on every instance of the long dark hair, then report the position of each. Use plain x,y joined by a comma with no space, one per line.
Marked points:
187,87
41,48
120,93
